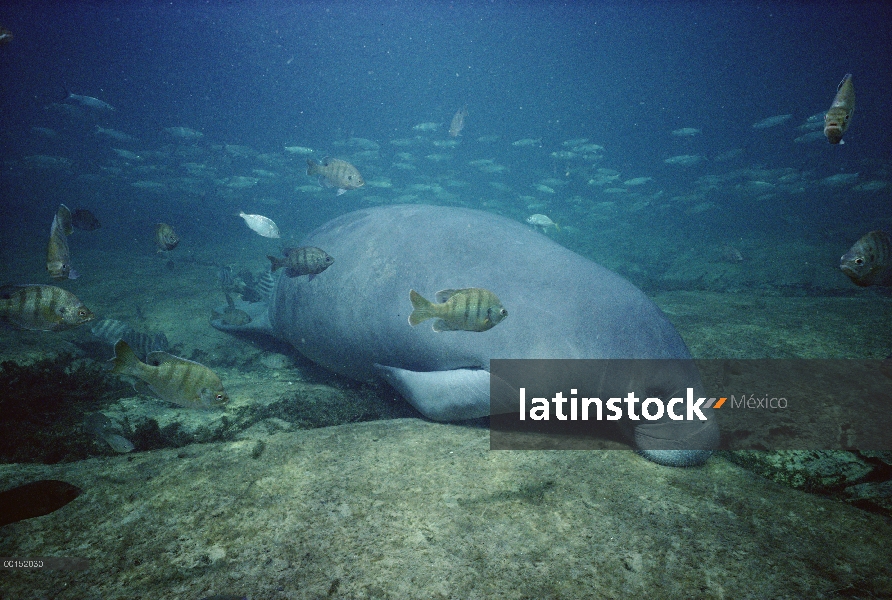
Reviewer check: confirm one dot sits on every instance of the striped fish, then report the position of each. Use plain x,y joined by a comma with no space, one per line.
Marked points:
111,330
177,380
264,286
869,260
469,309
306,260
335,173
224,276
42,307
58,257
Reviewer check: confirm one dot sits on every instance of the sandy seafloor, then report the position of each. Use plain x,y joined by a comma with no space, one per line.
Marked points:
388,505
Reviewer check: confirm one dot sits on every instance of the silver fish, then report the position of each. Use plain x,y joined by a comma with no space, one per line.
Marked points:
184,133
262,225
90,102
543,221
458,122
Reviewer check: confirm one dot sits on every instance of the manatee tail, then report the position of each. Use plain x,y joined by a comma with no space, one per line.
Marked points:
423,309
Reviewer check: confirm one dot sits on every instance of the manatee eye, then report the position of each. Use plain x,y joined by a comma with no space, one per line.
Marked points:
82,313
219,397
503,312
859,261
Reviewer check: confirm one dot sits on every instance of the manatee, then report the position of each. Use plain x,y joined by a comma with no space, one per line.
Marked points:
353,318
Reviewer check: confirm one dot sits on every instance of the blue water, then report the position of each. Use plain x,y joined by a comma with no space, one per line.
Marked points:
624,75
353,80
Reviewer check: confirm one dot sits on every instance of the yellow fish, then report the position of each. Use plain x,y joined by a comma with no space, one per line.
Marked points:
42,307
836,121
469,309
172,378
336,173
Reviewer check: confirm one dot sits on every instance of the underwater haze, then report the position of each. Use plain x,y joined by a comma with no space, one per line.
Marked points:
681,145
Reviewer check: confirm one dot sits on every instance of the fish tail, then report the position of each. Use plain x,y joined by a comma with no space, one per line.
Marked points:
312,167
276,263
125,360
423,309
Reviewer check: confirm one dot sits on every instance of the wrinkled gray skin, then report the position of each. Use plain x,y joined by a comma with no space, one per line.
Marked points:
353,318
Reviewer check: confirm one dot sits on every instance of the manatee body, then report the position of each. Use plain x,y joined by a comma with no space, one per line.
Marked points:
353,318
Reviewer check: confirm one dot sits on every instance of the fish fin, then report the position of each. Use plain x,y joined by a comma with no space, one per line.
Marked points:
845,78
125,360
143,389
341,191
310,278
7,290
63,217
442,395
72,274
325,182
441,325
557,226
422,308
444,295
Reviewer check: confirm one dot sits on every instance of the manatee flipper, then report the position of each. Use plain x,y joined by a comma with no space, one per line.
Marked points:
258,311
677,443
442,395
